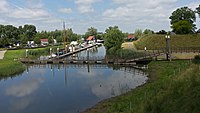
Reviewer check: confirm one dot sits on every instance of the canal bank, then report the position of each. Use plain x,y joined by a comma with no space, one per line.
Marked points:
173,86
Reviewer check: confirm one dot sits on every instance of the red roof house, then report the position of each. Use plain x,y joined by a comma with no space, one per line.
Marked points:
131,37
44,41
90,38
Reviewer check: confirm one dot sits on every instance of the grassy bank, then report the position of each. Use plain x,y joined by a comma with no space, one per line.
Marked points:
9,66
173,87
159,41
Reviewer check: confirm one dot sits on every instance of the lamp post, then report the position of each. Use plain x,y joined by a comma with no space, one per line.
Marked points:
167,37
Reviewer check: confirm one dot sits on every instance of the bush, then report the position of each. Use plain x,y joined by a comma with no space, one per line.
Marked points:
123,53
196,59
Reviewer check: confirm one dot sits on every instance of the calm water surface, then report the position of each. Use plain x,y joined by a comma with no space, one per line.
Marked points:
65,88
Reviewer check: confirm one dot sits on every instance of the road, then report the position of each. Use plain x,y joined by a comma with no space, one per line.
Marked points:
2,54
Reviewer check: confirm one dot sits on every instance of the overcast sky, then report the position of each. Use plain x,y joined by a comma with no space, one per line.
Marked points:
82,14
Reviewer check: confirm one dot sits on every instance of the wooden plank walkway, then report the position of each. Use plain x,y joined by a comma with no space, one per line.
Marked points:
62,61
76,51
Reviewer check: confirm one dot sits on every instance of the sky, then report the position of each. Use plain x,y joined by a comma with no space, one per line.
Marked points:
80,15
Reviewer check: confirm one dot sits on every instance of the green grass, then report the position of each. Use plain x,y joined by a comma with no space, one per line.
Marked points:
159,41
174,87
9,65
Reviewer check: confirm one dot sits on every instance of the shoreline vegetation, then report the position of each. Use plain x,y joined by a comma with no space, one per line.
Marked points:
173,87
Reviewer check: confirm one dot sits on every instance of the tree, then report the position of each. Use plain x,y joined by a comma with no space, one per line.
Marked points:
163,32
113,38
29,31
148,32
91,32
138,33
198,10
182,27
183,14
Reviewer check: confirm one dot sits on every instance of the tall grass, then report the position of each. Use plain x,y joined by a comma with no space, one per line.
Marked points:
124,54
159,41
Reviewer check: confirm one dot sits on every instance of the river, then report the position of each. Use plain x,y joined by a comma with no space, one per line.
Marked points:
66,88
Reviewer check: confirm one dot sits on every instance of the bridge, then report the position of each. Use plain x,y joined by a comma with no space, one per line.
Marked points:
146,56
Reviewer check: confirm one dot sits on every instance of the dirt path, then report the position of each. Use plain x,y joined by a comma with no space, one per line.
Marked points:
2,54
128,45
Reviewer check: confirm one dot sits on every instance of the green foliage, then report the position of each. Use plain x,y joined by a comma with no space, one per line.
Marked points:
176,41
138,33
162,32
198,10
179,18
183,27
196,59
91,32
148,32
11,35
113,38
123,54
29,31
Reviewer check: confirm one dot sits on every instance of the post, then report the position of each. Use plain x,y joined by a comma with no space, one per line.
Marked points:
58,51
26,53
51,52
145,50
88,55
64,32
167,37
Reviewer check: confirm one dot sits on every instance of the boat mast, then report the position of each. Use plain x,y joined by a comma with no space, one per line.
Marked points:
64,34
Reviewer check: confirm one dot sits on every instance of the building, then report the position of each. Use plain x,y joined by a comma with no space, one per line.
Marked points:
44,41
131,37
90,39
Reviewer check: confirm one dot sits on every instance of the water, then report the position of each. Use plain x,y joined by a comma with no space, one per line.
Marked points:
93,53
66,88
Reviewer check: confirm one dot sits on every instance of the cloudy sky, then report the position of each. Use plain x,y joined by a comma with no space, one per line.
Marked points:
82,14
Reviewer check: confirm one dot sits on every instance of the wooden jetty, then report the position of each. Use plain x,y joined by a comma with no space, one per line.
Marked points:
76,51
63,61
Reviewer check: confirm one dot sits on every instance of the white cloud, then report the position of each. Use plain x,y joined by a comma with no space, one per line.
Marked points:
65,10
85,6
25,88
14,11
28,13
3,6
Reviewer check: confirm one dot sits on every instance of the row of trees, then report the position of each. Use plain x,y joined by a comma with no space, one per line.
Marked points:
11,34
183,20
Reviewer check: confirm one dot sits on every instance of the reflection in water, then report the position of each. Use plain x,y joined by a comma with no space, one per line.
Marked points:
66,88
24,88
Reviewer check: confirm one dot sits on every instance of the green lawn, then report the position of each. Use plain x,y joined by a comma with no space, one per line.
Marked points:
10,65
174,87
159,41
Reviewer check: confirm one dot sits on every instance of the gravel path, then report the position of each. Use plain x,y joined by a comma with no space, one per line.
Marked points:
2,54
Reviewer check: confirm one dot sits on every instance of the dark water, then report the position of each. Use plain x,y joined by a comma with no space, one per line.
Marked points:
66,88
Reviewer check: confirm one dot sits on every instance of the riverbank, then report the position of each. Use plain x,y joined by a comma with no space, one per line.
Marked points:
10,66
173,87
